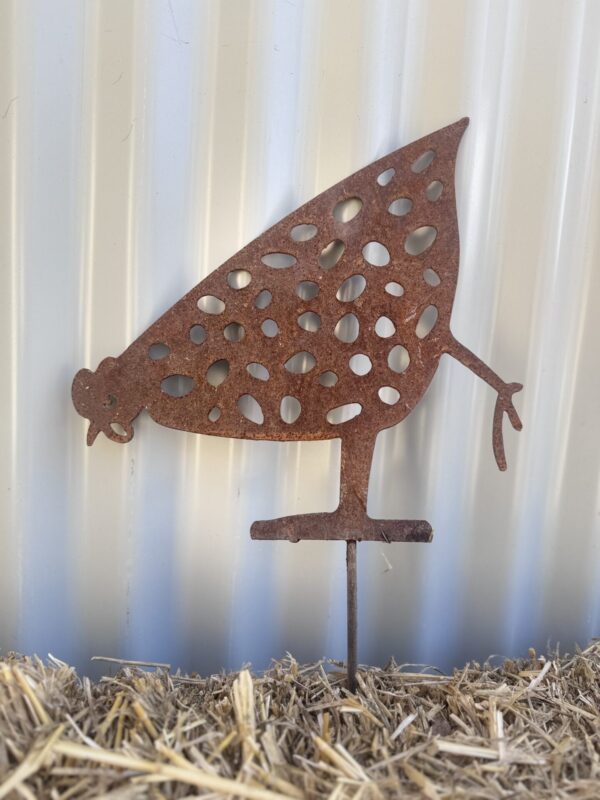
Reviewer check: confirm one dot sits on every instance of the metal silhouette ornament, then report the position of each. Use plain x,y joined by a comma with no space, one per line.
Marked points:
331,324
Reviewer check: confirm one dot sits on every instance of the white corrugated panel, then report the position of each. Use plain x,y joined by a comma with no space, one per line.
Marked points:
142,143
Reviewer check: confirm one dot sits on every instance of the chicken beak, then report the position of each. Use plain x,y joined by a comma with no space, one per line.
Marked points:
93,431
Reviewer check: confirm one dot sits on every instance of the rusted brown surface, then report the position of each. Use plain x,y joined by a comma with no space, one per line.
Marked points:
296,337
351,613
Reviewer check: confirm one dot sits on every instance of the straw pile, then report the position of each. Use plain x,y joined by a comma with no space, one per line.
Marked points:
527,729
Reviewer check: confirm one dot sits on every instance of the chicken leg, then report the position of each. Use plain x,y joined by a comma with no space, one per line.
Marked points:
504,403
350,520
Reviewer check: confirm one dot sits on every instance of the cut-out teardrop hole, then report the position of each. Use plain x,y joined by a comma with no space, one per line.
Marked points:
250,408
300,363
434,191
423,161
360,364
289,409
328,379
395,289
386,176
431,277
398,359
217,372
214,415
331,254
347,209
239,278
158,351
303,233
270,328
234,332
307,290
263,299
343,413
389,395
118,429
197,334
347,328
400,206
376,254
384,327
426,322
278,260
211,304
309,321
177,385
351,288
258,371
420,240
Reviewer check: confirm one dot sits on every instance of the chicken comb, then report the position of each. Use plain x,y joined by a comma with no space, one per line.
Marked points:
331,324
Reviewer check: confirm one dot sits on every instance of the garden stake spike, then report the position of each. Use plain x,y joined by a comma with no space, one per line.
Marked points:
331,324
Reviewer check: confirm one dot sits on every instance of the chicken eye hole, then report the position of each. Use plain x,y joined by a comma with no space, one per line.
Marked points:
110,401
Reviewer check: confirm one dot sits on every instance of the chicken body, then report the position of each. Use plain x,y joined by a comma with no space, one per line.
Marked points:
330,340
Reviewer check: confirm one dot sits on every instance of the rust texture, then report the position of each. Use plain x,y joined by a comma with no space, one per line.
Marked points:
330,324
351,614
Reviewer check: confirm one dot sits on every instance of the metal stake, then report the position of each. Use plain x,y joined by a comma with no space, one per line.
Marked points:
351,613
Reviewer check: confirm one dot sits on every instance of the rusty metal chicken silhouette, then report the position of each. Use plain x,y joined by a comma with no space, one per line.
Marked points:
329,325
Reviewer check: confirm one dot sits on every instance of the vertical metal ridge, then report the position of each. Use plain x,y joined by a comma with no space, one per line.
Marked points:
10,306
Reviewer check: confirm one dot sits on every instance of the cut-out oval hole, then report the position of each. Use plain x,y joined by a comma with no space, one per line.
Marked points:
250,408
400,206
431,277
234,332
344,413
420,240
278,260
386,176
211,304
258,371
398,359
395,289
214,415
328,379
331,254
307,290
239,278
376,254
309,321
270,328
426,322
360,364
351,288
118,429
303,233
197,334
289,409
347,209
384,328
423,161
434,191
217,372
177,385
389,395
300,363
263,299
347,328
158,351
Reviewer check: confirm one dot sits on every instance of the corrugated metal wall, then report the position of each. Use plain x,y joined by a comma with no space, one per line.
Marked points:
141,143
